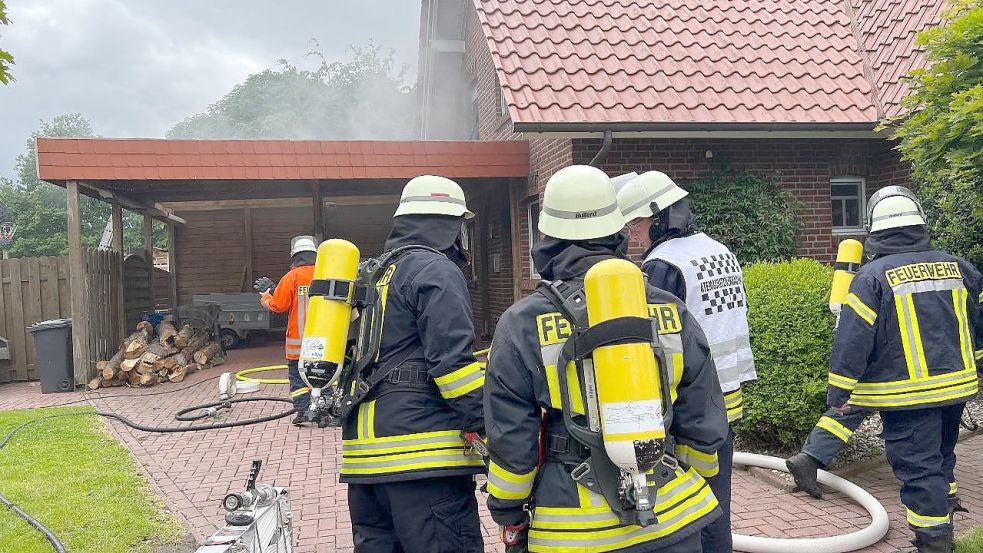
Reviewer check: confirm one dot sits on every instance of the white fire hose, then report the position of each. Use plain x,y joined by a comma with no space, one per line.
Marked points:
853,541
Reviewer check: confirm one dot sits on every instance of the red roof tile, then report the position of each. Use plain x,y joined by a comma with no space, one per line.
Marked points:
63,159
680,62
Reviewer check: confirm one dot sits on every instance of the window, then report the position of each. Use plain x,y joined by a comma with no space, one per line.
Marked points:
532,234
848,198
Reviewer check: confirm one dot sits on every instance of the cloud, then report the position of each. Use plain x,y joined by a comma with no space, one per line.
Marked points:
136,67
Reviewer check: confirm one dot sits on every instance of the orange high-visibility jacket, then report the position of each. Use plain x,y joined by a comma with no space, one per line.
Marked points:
291,293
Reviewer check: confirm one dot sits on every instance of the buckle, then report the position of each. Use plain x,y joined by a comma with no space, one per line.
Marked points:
362,387
558,443
580,471
670,461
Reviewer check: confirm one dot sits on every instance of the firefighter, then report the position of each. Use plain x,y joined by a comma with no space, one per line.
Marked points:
824,443
905,347
705,275
405,454
545,498
290,294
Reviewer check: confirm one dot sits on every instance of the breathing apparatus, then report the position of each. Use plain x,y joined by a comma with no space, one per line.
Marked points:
848,258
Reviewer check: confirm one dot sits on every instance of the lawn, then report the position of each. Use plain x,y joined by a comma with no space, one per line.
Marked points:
70,474
971,542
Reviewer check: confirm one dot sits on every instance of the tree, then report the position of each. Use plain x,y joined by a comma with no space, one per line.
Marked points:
941,130
361,98
6,59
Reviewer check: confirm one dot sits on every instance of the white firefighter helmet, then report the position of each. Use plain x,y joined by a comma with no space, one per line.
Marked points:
303,243
432,195
651,187
579,203
893,207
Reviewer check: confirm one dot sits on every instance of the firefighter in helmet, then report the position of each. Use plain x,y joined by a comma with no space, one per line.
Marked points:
290,294
904,346
705,275
562,495
405,454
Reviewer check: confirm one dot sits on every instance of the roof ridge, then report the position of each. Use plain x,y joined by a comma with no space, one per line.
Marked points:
875,91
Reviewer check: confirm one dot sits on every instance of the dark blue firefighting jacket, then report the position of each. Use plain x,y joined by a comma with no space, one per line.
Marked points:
410,426
910,332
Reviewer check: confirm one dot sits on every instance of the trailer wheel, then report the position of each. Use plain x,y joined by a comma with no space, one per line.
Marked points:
229,339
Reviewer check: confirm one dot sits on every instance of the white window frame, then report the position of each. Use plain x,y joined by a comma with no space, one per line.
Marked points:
531,233
862,191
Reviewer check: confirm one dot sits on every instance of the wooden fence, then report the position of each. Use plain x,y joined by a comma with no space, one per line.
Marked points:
37,289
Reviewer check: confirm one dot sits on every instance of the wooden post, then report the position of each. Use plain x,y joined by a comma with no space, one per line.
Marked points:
118,248
77,278
148,247
318,212
172,261
247,216
516,211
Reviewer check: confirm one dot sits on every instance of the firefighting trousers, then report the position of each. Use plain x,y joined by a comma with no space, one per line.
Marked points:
301,401
920,446
435,515
716,537
831,433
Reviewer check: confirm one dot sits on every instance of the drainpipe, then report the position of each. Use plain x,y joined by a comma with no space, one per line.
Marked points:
603,153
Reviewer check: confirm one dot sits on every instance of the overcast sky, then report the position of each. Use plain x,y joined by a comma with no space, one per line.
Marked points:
136,67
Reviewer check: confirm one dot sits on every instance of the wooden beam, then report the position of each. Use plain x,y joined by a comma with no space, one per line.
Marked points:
77,278
318,212
247,215
154,209
172,261
516,211
214,205
148,248
117,219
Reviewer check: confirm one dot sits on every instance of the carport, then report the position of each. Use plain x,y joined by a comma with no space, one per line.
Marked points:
231,206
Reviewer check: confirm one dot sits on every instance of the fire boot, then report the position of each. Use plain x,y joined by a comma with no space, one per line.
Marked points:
933,544
955,506
805,471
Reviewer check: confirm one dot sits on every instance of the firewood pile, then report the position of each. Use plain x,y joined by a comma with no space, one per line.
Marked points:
146,358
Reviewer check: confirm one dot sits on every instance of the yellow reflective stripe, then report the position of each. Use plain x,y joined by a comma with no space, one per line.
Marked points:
736,414
405,437
906,335
841,381
462,381
861,309
503,484
901,386
734,397
953,489
421,460
734,403
925,521
300,391
553,383
979,355
366,419
919,348
573,382
705,464
916,398
835,428
959,300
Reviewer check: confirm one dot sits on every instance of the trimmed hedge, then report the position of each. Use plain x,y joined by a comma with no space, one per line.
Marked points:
792,338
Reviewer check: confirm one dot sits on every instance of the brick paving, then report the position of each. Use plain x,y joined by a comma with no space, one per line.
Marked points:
193,471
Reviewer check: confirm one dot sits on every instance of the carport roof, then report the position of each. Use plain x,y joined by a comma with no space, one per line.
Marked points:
98,159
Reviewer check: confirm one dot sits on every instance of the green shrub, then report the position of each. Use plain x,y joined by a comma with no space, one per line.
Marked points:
792,337
754,216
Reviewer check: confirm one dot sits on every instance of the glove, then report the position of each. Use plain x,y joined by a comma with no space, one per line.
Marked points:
474,442
515,537
263,284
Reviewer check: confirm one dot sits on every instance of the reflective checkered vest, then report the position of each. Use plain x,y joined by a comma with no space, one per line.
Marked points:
715,296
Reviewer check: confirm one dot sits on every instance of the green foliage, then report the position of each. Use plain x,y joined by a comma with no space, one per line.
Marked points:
39,208
6,59
941,131
792,338
362,98
753,216
971,542
74,477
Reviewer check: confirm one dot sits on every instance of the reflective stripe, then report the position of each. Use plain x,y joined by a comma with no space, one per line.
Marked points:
704,463
366,420
463,380
402,462
866,313
841,381
293,341
734,402
835,428
503,484
575,533
732,376
902,386
979,355
959,300
953,489
442,199
591,214
925,521
730,347
301,314
919,286
911,336
651,198
300,391
916,398
426,441
893,215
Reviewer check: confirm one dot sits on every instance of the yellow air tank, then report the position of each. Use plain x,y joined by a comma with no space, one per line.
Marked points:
627,378
848,258
329,310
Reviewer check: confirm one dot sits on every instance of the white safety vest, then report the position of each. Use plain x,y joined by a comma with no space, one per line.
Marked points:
715,296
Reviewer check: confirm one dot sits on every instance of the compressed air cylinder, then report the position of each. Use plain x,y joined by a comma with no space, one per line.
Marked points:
848,258
629,394
326,329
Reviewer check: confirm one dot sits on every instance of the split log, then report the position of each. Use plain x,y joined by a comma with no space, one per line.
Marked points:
198,341
129,364
205,355
183,336
95,383
168,363
133,378
216,361
178,375
166,333
146,379
146,328
107,372
180,360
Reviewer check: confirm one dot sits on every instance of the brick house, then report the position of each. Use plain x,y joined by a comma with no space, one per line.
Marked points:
792,89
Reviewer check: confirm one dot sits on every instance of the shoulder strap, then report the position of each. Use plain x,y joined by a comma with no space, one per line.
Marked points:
362,388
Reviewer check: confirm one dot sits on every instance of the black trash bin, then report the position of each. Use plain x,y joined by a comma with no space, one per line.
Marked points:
54,344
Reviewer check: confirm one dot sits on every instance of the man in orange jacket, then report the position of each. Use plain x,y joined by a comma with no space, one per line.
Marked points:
291,294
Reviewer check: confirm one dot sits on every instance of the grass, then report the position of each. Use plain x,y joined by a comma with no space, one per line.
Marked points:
75,478
971,542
